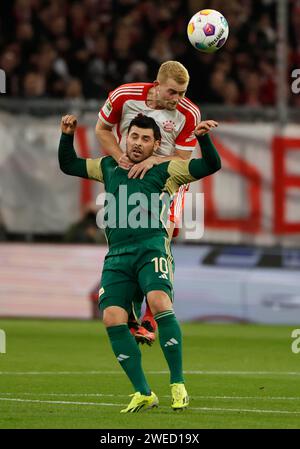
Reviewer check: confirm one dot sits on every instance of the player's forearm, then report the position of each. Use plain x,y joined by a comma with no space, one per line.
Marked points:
109,143
209,151
210,161
69,163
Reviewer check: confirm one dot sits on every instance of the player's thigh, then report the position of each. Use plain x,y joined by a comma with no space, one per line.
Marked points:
156,270
118,285
116,291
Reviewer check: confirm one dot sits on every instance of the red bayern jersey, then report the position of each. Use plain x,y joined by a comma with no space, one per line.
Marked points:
177,126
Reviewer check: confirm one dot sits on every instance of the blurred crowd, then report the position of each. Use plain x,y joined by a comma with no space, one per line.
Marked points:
84,49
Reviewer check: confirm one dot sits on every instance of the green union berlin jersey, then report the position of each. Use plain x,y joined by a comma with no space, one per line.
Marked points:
137,208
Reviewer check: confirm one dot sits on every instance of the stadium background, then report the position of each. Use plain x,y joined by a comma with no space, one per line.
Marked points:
65,56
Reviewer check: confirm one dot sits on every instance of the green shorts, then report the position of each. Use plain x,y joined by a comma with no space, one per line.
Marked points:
130,272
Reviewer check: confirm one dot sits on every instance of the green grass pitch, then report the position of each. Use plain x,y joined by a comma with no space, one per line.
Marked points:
62,374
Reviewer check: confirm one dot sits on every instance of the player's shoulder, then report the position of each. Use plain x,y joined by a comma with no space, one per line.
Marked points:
161,169
189,103
189,109
129,91
108,161
131,86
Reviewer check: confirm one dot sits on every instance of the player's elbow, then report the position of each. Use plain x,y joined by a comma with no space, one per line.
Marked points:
101,129
216,166
65,168
98,131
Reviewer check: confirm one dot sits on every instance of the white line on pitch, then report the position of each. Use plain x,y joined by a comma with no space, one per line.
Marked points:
245,410
221,373
106,404
62,402
269,398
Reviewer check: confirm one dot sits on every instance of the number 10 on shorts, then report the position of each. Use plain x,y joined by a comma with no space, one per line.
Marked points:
160,265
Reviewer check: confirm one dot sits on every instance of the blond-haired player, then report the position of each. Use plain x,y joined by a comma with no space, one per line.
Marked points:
164,100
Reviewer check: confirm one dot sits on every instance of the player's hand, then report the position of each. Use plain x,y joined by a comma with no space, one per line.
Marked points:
204,127
139,170
125,162
68,124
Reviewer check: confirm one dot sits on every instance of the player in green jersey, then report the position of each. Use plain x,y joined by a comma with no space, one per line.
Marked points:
139,256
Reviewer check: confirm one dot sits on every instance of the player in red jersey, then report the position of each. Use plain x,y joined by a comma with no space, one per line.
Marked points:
164,100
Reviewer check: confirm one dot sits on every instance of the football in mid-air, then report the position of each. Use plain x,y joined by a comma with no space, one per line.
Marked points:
208,30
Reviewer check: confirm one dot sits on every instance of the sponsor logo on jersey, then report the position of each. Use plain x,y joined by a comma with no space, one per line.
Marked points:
101,291
169,126
107,108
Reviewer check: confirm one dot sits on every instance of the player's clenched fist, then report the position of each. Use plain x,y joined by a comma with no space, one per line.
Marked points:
68,124
204,127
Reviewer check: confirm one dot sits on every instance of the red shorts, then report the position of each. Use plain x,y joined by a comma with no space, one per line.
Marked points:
178,205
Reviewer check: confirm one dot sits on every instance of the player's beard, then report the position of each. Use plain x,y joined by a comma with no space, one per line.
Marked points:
135,155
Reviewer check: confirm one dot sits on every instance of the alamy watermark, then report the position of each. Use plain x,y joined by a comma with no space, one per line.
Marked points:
137,210
295,87
2,82
296,343
2,342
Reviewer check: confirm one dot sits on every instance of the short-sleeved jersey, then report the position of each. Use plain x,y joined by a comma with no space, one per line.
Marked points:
177,126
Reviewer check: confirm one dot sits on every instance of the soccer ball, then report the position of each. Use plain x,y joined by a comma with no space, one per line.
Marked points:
208,30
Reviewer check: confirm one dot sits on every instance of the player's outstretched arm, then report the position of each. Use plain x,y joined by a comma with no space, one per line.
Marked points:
183,172
69,163
210,161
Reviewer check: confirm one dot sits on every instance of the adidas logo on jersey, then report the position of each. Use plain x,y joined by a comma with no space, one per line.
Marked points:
171,342
163,276
122,357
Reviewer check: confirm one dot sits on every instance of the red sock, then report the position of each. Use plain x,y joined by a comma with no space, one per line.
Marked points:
175,232
148,311
148,316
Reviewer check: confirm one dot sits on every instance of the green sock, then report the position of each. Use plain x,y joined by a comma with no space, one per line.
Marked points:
129,356
171,343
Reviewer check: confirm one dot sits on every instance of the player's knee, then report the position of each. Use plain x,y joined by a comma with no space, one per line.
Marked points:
114,316
159,301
